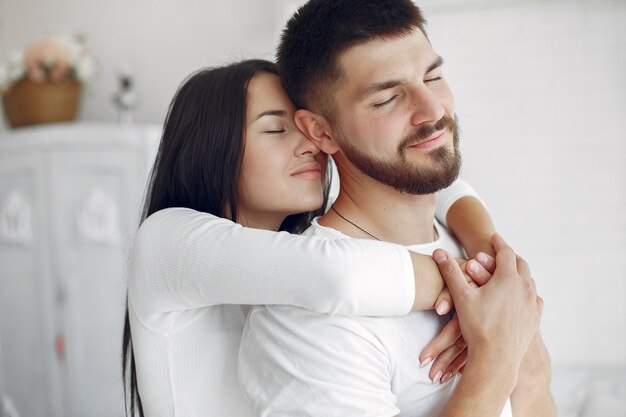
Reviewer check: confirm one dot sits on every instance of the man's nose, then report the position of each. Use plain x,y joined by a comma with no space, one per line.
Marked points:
427,108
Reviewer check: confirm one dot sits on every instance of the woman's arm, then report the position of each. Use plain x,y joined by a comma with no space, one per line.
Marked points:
183,259
460,209
469,221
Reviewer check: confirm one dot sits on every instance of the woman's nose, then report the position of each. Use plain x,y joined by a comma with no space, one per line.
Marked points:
306,146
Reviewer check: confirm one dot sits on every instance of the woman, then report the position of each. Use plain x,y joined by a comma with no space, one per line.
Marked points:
231,156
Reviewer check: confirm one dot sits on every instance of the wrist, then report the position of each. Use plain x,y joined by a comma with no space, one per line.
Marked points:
492,364
478,242
535,369
482,390
533,402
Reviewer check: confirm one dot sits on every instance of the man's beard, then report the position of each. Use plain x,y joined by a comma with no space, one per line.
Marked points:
404,175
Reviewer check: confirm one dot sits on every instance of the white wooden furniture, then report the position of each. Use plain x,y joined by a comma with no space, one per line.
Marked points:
70,198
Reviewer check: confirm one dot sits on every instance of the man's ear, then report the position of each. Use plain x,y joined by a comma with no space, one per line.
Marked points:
316,128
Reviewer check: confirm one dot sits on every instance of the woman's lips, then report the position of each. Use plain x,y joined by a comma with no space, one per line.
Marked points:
312,170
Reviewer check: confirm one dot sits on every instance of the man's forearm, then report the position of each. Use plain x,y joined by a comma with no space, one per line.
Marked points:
483,389
536,402
531,396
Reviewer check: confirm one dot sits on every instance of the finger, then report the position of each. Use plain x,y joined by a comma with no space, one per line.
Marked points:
486,260
450,333
451,273
477,272
505,256
522,267
444,303
456,365
438,372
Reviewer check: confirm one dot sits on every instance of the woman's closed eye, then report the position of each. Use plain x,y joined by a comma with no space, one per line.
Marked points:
276,131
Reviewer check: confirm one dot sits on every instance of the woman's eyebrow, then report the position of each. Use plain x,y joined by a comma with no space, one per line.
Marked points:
279,113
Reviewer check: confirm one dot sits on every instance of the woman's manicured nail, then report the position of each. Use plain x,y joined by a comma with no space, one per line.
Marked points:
472,266
442,308
446,377
437,377
426,362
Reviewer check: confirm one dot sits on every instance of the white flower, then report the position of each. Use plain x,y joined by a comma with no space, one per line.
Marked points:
55,57
15,66
84,68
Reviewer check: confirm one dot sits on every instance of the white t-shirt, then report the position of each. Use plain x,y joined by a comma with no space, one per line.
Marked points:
192,277
295,362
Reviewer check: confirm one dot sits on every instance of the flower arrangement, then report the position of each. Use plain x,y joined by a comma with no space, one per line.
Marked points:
57,57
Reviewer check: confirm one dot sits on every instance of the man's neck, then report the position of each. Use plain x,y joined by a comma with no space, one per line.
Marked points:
369,209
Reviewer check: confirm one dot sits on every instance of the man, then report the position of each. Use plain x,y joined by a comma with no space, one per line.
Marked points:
372,94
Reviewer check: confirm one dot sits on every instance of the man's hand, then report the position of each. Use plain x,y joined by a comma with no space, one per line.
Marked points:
503,315
498,321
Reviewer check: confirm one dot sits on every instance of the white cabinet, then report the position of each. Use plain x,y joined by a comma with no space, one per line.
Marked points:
70,198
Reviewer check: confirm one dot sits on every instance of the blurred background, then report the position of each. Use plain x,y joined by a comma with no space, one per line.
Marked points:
540,87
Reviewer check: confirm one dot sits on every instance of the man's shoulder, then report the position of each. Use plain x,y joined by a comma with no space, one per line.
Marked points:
445,240
316,229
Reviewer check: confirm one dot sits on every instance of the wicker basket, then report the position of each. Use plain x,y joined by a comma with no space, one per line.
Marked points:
29,103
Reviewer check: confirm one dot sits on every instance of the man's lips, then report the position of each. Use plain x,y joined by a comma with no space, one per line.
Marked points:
434,140
310,170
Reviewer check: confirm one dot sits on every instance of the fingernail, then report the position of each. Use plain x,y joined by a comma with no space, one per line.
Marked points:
437,377
446,377
443,308
481,257
472,266
426,362
439,257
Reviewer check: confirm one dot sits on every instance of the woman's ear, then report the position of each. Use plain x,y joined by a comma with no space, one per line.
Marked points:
316,128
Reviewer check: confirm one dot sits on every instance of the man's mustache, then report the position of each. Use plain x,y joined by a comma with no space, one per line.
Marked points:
426,131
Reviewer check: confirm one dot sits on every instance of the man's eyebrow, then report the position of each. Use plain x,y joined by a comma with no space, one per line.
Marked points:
438,62
385,85
374,88
279,113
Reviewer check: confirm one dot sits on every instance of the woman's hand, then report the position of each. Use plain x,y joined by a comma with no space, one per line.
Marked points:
449,347
477,272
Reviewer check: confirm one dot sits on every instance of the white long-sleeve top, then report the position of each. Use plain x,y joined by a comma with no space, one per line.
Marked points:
192,277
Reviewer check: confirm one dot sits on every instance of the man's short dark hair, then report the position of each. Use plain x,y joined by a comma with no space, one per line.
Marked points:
321,30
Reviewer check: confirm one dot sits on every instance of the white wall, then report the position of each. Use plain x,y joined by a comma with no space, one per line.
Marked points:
541,95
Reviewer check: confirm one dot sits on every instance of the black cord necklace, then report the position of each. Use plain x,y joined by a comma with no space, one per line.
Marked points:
354,224
435,233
